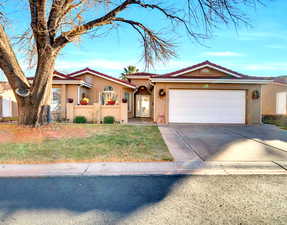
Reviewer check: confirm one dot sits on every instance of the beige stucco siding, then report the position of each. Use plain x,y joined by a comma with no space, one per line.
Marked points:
269,93
8,94
98,86
71,91
206,73
140,82
253,107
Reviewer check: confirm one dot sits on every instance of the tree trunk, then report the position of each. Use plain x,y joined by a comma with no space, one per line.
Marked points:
34,110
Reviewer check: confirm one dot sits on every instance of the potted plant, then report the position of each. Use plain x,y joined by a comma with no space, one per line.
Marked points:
111,102
85,100
70,100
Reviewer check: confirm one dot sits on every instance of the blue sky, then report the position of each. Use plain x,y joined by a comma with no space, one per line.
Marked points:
260,50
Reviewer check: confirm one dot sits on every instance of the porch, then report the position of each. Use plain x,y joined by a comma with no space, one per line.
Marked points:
141,121
96,112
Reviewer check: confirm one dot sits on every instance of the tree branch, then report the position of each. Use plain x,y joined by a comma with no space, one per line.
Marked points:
155,48
10,65
69,36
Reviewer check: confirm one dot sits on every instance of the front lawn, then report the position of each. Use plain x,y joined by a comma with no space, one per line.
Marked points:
81,142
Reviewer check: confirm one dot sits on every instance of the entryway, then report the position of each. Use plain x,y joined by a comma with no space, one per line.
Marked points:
142,105
143,102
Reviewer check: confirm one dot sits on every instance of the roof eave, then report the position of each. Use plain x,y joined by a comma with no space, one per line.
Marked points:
210,66
219,81
96,74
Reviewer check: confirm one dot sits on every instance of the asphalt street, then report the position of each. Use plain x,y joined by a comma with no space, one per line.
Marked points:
158,200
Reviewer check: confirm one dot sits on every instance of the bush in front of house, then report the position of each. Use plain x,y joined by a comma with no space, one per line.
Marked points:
80,119
109,119
9,119
279,120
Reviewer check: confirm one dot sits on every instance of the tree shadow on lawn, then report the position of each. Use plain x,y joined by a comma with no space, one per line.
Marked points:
120,195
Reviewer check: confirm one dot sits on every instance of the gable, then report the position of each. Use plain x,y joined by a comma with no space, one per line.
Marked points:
205,72
94,73
99,82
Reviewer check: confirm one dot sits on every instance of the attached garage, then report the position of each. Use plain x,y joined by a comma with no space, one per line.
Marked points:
207,106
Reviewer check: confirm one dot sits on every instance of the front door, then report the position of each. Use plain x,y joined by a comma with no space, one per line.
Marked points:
142,105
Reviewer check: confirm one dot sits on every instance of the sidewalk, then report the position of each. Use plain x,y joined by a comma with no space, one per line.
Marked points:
143,168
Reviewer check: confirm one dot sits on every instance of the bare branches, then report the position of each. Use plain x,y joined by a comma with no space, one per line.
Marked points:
69,36
9,63
155,48
67,21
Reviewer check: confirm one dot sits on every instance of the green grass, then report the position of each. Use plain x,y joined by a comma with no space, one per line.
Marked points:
104,143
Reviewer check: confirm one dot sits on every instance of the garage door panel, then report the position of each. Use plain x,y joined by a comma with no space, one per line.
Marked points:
206,106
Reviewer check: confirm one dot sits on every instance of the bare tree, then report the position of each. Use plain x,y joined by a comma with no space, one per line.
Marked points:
56,23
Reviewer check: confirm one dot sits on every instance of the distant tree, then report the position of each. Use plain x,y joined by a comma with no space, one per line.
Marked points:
128,70
56,23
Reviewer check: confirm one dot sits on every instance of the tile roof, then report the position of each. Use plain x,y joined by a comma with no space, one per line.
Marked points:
79,72
179,74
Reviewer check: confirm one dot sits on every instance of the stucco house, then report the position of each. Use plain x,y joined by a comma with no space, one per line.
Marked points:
203,93
8,104
274,96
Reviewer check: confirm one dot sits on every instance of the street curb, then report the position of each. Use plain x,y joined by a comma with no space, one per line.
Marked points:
143,168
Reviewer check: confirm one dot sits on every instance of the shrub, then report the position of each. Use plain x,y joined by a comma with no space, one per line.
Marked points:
80,119
279,120
109,119
8,119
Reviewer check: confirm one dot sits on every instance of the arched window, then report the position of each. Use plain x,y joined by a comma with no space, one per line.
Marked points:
108,88
108,96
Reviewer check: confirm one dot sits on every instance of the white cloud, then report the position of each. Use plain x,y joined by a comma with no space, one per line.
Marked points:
251,36
106,65
276,46
220,54
278,66
98,64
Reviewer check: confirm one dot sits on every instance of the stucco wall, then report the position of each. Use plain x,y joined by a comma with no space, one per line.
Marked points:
206,72
253,107
7,93
71,91
269,93
98,86
95,113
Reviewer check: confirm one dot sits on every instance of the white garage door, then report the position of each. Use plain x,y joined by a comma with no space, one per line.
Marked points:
206,106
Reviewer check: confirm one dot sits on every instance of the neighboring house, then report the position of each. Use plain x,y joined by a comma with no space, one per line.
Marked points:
274,97
203,93
8,104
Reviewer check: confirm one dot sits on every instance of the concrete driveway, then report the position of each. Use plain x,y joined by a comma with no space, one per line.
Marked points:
227,142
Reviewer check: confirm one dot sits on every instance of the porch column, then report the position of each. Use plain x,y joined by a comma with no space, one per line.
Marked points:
63,100
124,112
70,111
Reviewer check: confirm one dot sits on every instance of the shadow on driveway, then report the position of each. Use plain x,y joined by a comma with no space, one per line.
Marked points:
235,142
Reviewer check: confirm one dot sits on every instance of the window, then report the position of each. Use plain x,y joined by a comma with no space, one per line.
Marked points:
56,99
108,96
128,96
108,88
